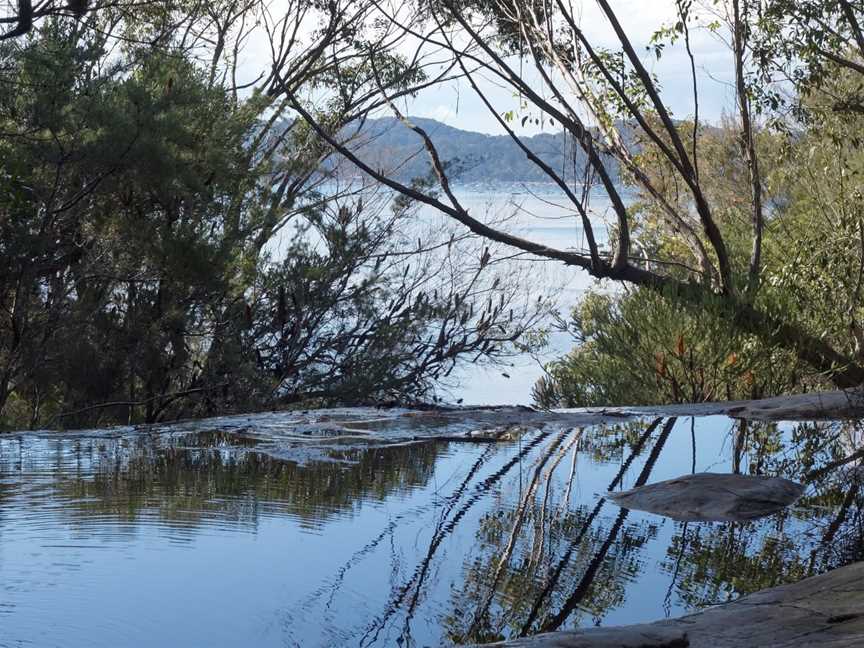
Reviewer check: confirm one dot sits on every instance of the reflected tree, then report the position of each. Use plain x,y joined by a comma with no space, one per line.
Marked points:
194,480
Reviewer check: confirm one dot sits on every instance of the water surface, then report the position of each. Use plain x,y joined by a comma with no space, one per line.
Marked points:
338,530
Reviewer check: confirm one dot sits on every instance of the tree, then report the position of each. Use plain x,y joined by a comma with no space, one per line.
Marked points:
172,246
611,106
637,347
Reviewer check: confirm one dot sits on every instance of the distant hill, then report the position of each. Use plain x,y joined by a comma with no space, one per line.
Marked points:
387,143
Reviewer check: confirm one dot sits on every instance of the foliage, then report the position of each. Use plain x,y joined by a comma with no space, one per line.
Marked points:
168,249
638,347
811,273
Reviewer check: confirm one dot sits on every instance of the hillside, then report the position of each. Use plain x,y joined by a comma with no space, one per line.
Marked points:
474,157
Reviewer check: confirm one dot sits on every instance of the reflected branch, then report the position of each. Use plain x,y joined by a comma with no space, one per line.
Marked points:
565,559
504,559
442,531
588,579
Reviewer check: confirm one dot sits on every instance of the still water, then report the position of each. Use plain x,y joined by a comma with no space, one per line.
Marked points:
368,528
536,211
541,213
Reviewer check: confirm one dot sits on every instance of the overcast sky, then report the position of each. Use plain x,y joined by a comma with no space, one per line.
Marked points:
457,105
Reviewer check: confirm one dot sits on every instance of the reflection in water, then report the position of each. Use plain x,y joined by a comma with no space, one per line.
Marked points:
200,538
209,477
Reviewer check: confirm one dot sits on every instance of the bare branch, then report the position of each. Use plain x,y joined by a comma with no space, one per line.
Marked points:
24,21
455,211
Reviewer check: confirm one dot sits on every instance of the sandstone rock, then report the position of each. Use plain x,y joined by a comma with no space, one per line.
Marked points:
712,497
825,611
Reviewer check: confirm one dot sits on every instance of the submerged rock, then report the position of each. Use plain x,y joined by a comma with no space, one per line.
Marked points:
712,497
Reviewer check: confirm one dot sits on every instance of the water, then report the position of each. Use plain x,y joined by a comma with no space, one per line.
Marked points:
538,212
342,530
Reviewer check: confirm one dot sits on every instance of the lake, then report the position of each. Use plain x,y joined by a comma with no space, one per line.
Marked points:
539,212
382,528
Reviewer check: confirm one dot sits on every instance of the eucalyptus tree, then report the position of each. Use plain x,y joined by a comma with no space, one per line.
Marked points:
612,107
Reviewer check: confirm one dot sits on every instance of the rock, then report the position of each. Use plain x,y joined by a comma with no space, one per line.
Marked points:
827,405
712,497
822,611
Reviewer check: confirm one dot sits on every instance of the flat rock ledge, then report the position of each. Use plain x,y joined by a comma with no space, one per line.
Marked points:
837,404
825,610
464,421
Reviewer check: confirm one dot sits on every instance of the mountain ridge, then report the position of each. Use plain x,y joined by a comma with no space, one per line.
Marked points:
387,143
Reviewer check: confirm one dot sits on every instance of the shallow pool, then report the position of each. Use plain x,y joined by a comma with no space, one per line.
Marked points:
362,530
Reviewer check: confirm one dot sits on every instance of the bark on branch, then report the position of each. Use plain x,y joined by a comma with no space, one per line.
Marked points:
25,21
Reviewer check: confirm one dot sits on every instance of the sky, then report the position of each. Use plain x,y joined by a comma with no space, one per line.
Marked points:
456,104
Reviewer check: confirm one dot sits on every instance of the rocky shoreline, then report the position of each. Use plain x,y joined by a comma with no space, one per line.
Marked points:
825,610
